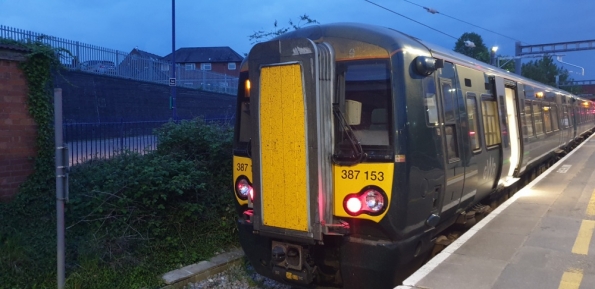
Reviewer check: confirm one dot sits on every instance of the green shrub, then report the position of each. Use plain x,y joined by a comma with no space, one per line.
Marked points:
130,217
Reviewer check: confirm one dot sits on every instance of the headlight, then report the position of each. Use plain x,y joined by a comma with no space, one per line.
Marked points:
244,188
371,200
374,200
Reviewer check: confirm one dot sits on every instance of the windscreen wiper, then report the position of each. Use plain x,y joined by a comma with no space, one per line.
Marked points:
358,152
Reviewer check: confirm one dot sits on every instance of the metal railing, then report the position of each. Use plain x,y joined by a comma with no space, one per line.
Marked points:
100,60
89,141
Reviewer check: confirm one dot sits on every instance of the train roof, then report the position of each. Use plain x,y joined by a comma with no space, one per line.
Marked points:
455,57
393,40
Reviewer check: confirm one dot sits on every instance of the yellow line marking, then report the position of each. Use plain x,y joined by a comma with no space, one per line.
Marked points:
581,245
591,206
571,279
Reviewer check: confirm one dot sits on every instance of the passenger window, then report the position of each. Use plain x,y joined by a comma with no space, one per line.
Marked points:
565,121
547,118
430,101
452,147
537,118
473,126
449,103
555,119
491,124
528,120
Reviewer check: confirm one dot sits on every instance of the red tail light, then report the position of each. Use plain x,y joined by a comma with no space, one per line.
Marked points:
354,205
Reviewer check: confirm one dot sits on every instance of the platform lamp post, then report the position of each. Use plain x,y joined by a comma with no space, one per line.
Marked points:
493,58
172,81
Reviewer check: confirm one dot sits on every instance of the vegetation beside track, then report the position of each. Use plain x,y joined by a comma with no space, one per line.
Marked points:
130,218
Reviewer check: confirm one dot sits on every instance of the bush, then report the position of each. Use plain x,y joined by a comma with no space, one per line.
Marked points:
131,217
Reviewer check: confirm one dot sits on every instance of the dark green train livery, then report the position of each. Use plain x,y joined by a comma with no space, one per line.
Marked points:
356,146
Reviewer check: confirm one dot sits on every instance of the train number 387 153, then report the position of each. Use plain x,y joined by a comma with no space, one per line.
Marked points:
367,175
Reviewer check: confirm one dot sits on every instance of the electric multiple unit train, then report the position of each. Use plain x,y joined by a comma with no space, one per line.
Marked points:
356,145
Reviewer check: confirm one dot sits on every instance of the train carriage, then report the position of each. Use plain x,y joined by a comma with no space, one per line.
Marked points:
356,146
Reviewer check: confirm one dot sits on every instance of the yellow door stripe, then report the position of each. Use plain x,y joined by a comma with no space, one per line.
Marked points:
581,245
284,171
571,279
591,206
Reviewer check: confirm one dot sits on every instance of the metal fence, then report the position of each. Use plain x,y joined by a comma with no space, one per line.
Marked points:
95,59
88,141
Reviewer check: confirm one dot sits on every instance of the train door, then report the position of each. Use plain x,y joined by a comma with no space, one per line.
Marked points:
505,91
451,130
516,146
291,94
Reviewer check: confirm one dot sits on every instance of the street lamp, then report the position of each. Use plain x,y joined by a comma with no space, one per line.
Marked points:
173,61
493,58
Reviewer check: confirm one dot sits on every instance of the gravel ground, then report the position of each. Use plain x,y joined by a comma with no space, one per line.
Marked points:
237,277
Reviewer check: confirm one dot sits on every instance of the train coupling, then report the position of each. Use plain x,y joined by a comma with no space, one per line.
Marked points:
289,262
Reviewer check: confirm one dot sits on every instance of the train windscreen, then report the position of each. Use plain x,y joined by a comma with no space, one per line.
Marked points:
364,95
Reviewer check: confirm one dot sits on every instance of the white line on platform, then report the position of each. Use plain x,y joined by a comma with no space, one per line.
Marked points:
449,250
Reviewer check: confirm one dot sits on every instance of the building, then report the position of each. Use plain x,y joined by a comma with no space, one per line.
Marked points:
207,68
143,65
222,60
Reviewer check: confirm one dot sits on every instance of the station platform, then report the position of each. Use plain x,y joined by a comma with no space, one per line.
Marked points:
539,238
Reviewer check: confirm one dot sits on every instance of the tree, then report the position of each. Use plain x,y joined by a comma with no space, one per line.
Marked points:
260,35
476,50
545,71
506,63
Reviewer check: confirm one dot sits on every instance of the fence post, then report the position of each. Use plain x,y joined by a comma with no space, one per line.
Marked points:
78,56
121,134
61,186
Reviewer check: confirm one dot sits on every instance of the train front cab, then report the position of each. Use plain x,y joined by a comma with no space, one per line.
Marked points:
320,176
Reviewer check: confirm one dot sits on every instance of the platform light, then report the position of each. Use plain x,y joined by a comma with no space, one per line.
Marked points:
539,94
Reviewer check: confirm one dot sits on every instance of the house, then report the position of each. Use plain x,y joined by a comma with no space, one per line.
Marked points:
143,65
222,60
207,68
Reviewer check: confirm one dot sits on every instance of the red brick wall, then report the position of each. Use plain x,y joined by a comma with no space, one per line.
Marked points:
222,69
17,130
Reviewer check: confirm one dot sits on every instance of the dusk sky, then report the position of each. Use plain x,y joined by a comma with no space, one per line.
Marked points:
146,24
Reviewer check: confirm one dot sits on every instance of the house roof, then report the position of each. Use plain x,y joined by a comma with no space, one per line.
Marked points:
145,54
205,54
13,47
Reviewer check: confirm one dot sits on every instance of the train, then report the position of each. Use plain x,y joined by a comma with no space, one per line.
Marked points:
357,146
